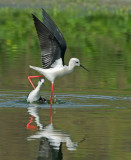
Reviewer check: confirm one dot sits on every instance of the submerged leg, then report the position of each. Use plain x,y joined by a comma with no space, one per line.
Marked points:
51,113
29,78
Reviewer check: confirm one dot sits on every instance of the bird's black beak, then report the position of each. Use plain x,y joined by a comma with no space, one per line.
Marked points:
84,68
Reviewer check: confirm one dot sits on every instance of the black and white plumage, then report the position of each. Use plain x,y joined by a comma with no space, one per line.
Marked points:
53,47
52,42
34,95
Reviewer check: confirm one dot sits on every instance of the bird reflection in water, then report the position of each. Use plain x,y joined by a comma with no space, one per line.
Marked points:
51,139
47,152
33,110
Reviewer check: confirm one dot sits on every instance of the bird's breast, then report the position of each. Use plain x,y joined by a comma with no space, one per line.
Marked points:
53,73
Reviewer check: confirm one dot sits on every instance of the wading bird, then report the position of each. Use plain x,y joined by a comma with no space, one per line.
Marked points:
34,95
53,47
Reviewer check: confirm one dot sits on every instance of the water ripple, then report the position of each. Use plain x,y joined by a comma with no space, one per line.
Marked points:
18,99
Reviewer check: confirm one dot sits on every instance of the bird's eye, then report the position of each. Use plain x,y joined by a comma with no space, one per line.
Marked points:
77,62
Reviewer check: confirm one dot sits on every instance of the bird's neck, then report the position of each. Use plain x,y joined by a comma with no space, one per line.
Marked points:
38,87
71,66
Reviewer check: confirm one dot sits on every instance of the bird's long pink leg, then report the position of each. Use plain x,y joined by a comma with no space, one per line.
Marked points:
51,103
29,78
51,94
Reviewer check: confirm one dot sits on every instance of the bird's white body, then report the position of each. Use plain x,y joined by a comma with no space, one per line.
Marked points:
59,70
35,94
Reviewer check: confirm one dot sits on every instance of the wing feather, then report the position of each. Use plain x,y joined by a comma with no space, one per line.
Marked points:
51,49
49,23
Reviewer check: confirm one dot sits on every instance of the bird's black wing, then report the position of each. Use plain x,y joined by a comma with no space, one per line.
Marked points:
51,49
49,23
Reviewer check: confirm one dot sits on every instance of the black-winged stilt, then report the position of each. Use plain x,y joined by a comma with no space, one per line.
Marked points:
34,95
53,47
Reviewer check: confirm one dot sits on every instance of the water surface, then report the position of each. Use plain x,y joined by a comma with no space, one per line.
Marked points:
85,127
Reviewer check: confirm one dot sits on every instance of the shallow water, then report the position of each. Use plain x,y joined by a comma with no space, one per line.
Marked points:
84,127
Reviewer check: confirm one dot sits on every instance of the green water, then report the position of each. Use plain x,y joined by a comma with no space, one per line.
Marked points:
99,125
92,110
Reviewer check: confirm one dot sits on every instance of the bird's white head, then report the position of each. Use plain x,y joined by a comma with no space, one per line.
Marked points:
74,62
41,81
